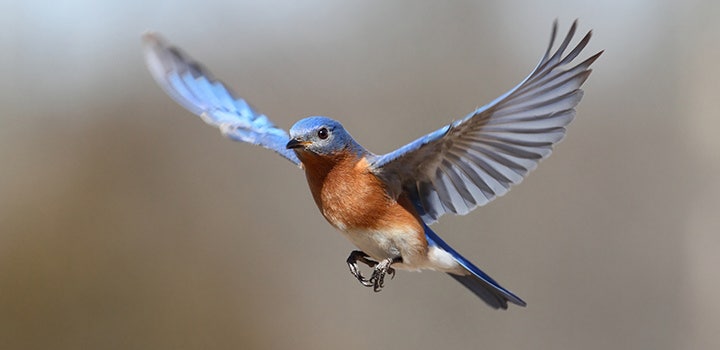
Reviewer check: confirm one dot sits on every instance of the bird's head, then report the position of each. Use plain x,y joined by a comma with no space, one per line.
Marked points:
322,136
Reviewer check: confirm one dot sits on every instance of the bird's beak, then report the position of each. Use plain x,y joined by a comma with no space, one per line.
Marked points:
296,143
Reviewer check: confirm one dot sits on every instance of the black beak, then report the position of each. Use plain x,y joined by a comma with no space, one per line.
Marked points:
295,143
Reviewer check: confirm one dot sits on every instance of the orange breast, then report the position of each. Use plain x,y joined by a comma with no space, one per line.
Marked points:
352,198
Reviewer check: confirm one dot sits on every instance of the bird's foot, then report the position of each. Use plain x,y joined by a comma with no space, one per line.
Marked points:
352,260
381,269
377,280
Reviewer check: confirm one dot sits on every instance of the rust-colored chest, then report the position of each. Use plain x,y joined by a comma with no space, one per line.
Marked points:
351,198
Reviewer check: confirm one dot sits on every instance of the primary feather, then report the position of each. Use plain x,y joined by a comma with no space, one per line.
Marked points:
474,160
196,89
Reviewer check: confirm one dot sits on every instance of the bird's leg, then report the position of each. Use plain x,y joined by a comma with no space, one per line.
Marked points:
352,260
377,280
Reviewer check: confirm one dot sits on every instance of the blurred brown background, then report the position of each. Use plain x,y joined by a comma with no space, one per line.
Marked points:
126,223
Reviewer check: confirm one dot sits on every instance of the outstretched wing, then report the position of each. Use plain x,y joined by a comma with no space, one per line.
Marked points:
474,160
196,89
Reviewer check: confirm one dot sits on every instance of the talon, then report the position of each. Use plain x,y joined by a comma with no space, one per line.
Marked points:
355,272
352,260
378,276
380,269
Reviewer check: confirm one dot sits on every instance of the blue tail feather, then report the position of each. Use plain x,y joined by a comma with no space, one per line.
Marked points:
477,281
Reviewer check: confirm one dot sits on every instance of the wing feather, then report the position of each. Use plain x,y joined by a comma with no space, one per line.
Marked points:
196,89
477,159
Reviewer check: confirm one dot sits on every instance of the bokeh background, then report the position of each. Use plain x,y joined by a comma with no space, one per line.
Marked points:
126,223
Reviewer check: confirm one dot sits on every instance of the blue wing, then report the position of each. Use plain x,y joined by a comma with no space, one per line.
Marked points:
477,281
193,87
474,160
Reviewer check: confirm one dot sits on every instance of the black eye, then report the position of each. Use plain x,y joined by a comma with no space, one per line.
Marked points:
323,133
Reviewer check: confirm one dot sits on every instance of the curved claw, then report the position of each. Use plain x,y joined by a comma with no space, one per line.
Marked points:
352,260
356,272
381,269
378,276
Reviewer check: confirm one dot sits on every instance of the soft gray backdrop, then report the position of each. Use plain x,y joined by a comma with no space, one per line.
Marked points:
126,223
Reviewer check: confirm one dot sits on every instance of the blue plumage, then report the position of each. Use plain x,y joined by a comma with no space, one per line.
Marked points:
384,203
474,160
477,281
196,89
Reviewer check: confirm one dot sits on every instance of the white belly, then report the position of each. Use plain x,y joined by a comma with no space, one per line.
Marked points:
405,243
385,244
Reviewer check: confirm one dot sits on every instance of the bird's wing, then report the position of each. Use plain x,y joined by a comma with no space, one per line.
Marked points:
472,161
196,89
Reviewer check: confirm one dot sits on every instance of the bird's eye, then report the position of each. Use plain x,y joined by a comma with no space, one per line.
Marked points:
323,133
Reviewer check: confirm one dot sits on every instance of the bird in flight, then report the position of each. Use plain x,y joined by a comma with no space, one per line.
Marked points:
384,203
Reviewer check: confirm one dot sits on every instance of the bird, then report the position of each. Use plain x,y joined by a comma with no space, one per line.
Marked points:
385,203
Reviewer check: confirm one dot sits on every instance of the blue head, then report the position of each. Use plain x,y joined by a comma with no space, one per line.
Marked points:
322,136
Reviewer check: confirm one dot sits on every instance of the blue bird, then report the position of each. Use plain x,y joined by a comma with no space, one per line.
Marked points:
384,203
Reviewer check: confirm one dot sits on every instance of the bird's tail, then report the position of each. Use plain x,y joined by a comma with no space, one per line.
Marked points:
489,291
475,280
